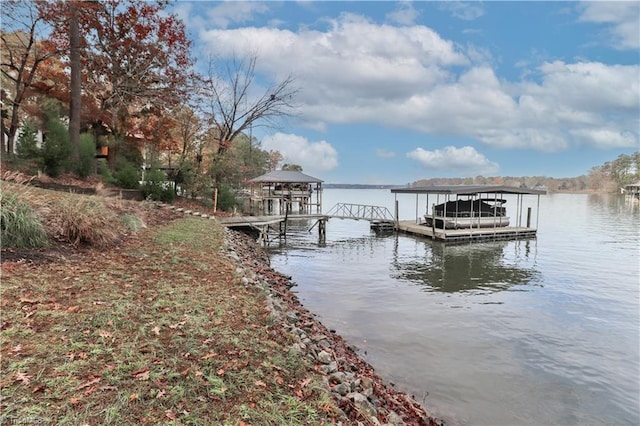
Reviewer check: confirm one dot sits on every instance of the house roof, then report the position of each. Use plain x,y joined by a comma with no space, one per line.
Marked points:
633,185
285,176
468,190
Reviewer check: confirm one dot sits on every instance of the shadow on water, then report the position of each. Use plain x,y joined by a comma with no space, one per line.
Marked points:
477,268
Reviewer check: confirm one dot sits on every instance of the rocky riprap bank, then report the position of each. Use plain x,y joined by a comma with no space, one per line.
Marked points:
359,392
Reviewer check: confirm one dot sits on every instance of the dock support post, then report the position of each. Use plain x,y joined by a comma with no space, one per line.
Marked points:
397,214
529,217
433,221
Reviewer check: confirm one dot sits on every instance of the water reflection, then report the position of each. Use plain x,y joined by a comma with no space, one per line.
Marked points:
479,268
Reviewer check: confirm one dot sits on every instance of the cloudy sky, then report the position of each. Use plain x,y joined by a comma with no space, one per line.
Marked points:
393,92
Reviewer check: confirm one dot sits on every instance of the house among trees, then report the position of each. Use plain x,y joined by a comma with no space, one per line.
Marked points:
285,191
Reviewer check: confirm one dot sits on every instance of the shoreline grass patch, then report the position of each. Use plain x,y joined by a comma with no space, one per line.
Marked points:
158,330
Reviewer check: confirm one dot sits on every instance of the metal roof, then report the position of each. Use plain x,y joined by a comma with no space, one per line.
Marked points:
468,190
285,176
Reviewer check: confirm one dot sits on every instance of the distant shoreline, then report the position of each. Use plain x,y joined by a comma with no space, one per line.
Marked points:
365,186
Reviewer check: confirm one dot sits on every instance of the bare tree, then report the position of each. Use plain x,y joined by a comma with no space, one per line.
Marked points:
233,107
22,53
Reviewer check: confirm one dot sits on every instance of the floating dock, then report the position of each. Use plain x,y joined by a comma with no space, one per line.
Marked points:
474,196
465,235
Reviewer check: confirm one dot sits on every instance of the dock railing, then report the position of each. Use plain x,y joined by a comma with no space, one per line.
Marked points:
360,212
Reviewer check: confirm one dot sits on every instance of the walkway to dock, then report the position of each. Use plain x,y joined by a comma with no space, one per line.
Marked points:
379,217
360,212
466,235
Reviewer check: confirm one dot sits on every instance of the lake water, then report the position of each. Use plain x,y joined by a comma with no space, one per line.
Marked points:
542,331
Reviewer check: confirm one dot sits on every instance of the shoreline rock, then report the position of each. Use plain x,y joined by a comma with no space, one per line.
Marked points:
358,391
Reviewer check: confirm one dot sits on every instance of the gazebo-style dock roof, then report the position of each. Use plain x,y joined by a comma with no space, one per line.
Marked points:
286,191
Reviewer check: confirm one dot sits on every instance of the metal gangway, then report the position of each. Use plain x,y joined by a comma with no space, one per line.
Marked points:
374,214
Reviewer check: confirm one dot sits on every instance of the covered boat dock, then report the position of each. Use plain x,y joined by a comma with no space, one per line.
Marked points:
463,213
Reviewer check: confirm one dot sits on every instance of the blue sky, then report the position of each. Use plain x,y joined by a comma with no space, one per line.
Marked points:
394,92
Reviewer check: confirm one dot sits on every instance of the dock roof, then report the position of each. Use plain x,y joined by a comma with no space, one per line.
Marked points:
285,176
468,190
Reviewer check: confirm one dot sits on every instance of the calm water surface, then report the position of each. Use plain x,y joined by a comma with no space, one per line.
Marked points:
543,331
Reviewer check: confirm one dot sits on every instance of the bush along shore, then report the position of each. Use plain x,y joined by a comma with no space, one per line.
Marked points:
132,313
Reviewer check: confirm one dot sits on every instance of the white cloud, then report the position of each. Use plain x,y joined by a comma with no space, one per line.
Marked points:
606,138
312,156
226,13
409,77
462,10
465,159
623,16
384,153
405,14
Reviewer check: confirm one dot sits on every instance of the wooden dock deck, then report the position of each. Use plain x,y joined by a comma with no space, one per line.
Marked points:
255,221
466,235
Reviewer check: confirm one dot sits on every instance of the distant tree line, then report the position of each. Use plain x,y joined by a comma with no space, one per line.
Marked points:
608,177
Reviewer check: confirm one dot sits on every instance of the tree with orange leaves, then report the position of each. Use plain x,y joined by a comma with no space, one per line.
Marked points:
135,57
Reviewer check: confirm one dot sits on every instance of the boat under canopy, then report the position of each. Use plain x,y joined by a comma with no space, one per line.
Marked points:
471,212
462,214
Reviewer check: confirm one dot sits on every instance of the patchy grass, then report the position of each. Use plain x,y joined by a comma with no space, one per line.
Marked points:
70,218
157,330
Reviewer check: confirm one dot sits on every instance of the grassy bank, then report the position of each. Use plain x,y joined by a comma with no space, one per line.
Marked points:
156,330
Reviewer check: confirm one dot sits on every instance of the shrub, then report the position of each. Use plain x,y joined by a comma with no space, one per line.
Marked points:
156,187
27,143
226,198
85,220
56,147
105,172
126,175
87,154
132,222
19,224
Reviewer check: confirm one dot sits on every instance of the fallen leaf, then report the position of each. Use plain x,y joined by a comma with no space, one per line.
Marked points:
23,377
38,389
141,374
89,383
16,348
221,372
260,383
209,355
279,380
74,401
170,415
104,334
305,382
73,308
184,372
29,301
106,388
161,393
133,397
156,330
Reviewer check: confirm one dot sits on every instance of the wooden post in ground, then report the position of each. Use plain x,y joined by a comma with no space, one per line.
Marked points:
215,199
